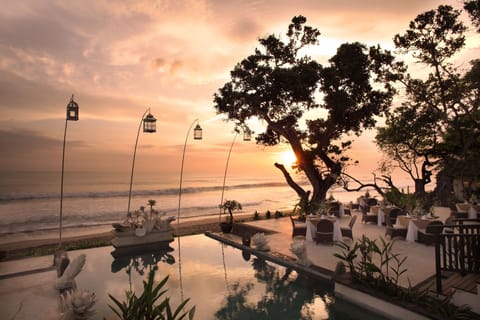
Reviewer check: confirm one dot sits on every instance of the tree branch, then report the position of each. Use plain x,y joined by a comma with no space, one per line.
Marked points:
299,190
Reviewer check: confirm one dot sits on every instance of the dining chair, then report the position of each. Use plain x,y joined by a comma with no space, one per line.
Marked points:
298,228
367,216
448,225
334,209
324,231
394,213
394,230
427,235
348,231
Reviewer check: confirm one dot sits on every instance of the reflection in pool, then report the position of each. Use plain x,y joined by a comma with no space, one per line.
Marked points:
218,279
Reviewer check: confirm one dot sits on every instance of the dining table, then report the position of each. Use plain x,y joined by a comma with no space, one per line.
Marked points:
413,224
382,212
312,221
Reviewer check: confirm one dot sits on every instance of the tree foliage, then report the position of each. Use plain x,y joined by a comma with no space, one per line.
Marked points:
279,85
436,124
473,9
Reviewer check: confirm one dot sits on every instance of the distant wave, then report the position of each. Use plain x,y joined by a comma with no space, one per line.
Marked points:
111,194
50,221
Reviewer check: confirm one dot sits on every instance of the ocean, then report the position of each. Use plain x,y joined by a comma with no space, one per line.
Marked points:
30,201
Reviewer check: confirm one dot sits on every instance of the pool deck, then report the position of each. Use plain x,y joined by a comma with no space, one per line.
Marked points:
420,261
27,285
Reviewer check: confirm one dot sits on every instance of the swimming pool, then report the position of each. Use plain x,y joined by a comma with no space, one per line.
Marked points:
220,281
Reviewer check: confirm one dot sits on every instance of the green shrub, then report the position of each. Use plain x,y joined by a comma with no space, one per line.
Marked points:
148,305
383,277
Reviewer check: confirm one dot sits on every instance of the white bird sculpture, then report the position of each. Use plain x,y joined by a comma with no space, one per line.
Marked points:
67,280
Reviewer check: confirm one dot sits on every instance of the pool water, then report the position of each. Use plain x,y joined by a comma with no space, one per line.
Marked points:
221,282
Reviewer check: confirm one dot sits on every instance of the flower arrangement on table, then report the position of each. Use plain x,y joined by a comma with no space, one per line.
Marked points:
143,222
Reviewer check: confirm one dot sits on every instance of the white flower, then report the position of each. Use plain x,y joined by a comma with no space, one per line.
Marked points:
79,304
260,242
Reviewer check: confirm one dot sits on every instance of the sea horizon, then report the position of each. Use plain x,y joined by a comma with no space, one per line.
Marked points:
30,200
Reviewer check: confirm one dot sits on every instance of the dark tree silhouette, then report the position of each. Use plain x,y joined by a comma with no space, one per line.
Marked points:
437,125
278,85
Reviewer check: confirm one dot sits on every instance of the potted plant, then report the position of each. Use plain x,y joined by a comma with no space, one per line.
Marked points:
229,205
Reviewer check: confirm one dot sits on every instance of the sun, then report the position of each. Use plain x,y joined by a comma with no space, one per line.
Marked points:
288,158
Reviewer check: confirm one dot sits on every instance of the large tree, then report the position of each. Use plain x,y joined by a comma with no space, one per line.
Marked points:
473,9
278,85
409,140
437,122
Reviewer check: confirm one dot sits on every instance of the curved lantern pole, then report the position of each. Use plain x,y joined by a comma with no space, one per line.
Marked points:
72,114
247,136
149,126
197,135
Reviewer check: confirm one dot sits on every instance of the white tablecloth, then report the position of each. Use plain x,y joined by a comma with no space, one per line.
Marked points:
341,211
412,232
381,214
312,229
413,226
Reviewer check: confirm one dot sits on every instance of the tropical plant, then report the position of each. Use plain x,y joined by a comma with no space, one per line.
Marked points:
268,214
230,206
149,306
377,268
152,203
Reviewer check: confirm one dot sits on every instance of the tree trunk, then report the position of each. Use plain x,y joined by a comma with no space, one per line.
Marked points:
420,188
320,187
299,190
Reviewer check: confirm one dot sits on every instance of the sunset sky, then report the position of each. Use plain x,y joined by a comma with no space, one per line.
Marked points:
121,57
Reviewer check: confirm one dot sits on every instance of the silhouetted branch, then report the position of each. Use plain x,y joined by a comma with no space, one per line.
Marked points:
385,179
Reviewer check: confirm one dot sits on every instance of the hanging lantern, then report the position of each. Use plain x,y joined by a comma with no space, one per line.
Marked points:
149,123
247,135
197,132
72,110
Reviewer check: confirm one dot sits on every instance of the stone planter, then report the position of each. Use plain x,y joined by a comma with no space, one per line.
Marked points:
346,291
226,227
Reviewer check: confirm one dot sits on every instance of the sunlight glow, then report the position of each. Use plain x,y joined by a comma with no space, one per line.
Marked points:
287,158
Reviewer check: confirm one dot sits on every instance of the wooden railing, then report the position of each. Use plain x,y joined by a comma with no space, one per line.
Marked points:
457,250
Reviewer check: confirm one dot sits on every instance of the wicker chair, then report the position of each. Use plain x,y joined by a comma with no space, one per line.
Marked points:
427,236
334,209
448,222
394,213
298,228
394,230
347,232
372,202
367,216
324,231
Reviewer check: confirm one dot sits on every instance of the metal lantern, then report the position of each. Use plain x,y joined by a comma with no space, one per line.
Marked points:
72,110
197,132
247,135
149,123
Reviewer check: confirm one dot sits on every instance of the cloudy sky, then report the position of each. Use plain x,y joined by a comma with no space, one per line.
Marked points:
121,57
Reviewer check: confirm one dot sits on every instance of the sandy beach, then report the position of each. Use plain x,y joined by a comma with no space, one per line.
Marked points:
44,243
